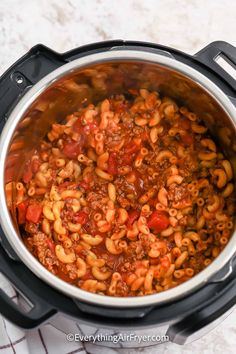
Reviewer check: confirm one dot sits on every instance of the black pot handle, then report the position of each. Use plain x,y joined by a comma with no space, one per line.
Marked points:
214,50
219,305
33,66
23,74
40,311
113,312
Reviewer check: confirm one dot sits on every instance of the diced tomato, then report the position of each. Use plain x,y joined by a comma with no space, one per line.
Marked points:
154,261
50,244
187,139
131,148
185,124
34,212
81,217
28,174
22,208
72,149
112,164
127,159
158,221
133,215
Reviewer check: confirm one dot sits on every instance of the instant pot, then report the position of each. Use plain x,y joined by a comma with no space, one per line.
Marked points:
43,86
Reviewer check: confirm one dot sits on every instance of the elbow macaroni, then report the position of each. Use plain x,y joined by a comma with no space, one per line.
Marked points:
121,198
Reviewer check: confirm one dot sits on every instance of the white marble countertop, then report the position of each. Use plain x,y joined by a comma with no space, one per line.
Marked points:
188,25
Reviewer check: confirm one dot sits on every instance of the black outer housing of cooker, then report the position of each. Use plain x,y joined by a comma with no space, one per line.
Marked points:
188,314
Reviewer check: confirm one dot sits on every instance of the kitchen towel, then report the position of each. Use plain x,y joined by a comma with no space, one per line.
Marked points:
50,338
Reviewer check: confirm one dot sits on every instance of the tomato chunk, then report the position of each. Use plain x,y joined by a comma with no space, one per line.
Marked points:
127,159
158,221
22,208
131,148
187,139
133,215
72,149
34,212
112,164
185,124
81,217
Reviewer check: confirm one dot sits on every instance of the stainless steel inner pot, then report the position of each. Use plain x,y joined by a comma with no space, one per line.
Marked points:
89,79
